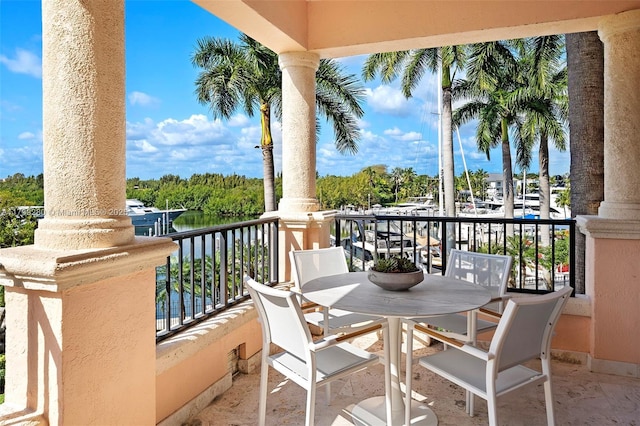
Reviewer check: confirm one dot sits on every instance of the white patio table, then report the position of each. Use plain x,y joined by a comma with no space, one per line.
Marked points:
435,295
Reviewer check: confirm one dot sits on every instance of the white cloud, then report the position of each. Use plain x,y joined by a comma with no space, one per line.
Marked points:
238,120
195,144
399,135
24,62
144,146
388,100
142,99
26,135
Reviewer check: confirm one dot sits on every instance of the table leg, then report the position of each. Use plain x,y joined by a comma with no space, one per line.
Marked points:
372,411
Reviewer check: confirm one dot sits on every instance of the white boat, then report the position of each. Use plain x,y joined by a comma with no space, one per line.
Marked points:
413,206
382,243
142,215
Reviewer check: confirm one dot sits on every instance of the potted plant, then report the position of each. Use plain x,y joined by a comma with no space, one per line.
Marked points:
395,273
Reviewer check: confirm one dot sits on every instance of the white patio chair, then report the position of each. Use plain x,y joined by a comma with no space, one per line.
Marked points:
488,270
523,333
307,363
309,264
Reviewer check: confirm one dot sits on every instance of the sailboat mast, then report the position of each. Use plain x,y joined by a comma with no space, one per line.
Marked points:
440,188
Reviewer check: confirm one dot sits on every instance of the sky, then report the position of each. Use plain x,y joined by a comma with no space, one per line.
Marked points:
170,132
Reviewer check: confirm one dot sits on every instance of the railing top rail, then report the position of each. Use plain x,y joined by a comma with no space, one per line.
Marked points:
466,219
219,228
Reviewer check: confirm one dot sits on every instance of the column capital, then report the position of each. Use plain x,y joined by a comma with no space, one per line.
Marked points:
601,227
299,59
36,269
619,24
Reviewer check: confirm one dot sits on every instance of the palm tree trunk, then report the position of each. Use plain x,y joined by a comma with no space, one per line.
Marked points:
507,172
447,150
585,67
543,183
266,143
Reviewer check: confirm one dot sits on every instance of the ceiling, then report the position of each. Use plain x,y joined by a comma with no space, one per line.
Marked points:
337,28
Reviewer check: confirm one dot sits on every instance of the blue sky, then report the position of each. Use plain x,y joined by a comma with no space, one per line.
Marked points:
169,132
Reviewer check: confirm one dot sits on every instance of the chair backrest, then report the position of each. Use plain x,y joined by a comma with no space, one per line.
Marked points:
526,327
488,270
309,264
282,319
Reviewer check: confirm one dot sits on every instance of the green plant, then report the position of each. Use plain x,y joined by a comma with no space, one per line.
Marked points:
2,373
395,264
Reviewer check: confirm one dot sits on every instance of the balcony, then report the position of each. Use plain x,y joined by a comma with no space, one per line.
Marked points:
224,250
582,398
81,343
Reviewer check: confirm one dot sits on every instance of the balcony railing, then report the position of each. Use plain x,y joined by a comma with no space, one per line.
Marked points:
204,276
543,250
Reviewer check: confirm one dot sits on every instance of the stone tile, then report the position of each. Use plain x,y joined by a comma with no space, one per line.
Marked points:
581,398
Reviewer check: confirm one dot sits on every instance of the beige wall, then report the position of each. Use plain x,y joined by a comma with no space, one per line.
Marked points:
192,362
80,340
613,282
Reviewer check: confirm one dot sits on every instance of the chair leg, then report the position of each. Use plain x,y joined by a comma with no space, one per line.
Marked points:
327,389
387,374
408,376
311,404
472,331
262,408
548,392
492,408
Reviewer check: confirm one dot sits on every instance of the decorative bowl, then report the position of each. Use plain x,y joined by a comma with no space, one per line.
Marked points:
395,281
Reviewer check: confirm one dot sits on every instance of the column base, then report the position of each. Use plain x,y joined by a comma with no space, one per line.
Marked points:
86,233
292,205
616,210
607,227
34,268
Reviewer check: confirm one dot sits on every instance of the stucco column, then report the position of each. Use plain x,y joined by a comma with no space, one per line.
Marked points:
299,131
80,302
302,225
83,81
621,37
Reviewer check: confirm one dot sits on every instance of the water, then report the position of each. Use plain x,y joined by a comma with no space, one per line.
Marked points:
189,220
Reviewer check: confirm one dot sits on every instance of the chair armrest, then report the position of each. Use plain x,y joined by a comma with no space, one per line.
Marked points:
471,350
333,339
310,305
490,313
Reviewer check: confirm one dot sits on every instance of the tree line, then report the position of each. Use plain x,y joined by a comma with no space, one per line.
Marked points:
236,195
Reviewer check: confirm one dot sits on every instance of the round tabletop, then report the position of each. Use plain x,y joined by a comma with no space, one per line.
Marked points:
435,295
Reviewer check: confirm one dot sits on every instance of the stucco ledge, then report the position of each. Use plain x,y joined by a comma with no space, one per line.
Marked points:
34,268
599,227
185,344
580,305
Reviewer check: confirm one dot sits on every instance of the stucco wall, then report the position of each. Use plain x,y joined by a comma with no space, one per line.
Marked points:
191,362
614,285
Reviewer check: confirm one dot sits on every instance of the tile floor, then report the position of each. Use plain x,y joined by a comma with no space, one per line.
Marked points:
581,398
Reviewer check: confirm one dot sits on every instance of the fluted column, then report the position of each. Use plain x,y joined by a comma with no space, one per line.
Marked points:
298,131
621,37
84,140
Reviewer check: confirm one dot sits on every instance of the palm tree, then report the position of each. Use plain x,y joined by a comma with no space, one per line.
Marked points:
546,110
493,76
413,64
247,76
585,64
396,175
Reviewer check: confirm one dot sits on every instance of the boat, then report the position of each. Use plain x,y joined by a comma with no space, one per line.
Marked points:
414,206
384,241
142,215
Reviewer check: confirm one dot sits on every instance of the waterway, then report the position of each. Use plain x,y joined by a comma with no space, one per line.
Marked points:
189,220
